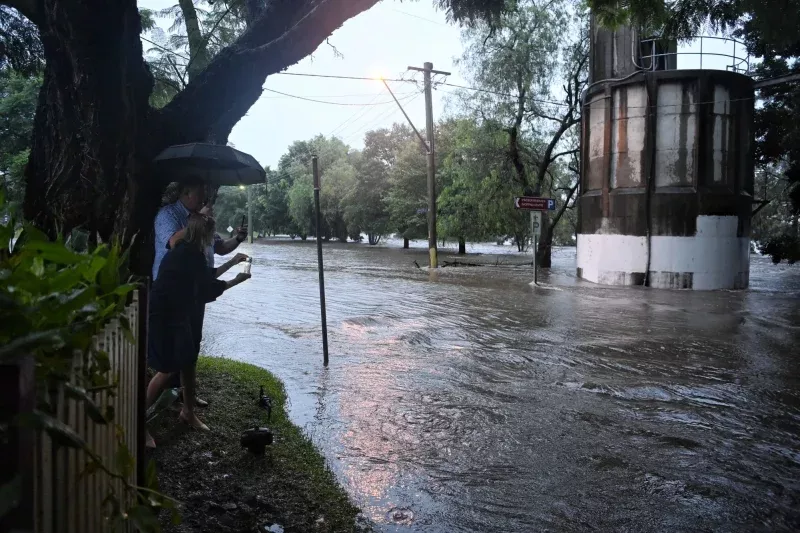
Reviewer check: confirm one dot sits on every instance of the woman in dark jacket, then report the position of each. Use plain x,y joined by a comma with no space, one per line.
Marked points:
185,283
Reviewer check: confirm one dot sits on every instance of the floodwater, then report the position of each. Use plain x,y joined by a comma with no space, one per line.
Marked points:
469,400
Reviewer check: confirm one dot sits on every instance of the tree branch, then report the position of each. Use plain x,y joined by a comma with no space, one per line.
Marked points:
561,154
514,131
286,32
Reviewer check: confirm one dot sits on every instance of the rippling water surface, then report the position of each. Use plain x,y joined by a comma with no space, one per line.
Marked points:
469,400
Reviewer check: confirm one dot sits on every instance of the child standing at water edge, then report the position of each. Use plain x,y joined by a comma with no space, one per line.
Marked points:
185,283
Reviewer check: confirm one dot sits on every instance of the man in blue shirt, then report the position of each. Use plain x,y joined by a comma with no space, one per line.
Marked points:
170,225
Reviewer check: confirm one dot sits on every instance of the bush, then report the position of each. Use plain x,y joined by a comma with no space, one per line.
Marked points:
782,247
53,300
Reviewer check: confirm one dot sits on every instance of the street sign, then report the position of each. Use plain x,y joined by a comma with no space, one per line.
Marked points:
534,203
230,229
422,210
536,223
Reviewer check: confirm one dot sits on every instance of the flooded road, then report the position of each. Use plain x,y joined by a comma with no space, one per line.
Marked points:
468,400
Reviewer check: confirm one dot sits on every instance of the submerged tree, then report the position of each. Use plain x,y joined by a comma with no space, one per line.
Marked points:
535,46
96,134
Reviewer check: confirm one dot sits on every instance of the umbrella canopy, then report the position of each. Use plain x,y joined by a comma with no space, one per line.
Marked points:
211,164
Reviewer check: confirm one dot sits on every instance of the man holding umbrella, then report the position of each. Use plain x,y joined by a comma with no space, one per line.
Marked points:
170,226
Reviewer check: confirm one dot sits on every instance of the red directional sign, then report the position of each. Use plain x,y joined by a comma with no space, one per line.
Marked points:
534,203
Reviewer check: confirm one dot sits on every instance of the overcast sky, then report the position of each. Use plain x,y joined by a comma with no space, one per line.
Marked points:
382,41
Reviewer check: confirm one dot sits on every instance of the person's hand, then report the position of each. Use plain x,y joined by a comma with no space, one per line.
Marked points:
207,210
241,276
241,233
239,258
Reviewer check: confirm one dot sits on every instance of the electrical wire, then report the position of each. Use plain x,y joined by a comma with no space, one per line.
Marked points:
337,77
357,114
187,58
354,116
380,118
332,95
370,123
418,17
465,87
325,101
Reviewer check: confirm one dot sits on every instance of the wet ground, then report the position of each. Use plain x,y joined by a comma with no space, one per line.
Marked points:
468,400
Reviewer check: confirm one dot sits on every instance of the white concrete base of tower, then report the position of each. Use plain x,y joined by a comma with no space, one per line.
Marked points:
713,258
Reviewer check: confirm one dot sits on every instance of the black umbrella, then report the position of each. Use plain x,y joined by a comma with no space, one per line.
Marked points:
212,164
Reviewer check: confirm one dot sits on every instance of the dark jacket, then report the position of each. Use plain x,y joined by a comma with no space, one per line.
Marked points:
184,285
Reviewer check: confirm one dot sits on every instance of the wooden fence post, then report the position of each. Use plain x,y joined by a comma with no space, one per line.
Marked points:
18,396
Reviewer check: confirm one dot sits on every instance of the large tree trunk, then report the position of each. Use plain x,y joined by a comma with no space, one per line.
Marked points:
90,136
405,243
462,246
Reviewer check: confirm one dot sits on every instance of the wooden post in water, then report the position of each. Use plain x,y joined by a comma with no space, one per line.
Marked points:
315,170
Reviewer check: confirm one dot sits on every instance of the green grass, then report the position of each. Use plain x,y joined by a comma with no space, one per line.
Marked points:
210,473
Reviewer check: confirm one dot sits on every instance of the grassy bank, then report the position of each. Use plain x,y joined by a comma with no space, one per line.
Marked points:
222,487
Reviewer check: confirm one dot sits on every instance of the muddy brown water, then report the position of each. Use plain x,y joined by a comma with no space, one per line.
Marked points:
468,400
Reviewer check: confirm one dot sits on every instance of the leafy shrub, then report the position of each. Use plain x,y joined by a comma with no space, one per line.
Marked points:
53,300
782,247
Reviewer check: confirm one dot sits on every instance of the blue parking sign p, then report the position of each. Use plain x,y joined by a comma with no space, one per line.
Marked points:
551,204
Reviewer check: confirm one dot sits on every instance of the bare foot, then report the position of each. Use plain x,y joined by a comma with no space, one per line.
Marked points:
193,421
148,440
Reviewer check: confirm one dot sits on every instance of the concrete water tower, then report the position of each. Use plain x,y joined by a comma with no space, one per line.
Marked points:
667,177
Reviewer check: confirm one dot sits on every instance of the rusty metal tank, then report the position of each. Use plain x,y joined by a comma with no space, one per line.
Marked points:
667,169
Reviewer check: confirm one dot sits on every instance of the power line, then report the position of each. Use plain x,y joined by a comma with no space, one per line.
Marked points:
418,17
370,123
187,58
336,95
358,113
487,91
333,76
325,101
537,100
381,117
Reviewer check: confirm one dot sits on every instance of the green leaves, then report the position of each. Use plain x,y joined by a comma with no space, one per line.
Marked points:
53,301
92,410
49,251
58,431
144,518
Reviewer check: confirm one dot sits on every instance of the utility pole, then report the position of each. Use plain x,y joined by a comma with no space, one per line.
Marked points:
427,70
250,214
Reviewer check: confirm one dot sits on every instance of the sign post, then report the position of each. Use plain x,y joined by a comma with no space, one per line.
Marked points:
535,204
315,172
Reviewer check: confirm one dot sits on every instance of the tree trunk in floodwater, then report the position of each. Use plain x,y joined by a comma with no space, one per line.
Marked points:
462,246
405,243
520,241
545,244
544,252
373,238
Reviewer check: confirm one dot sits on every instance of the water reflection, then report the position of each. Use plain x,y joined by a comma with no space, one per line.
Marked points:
481,403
